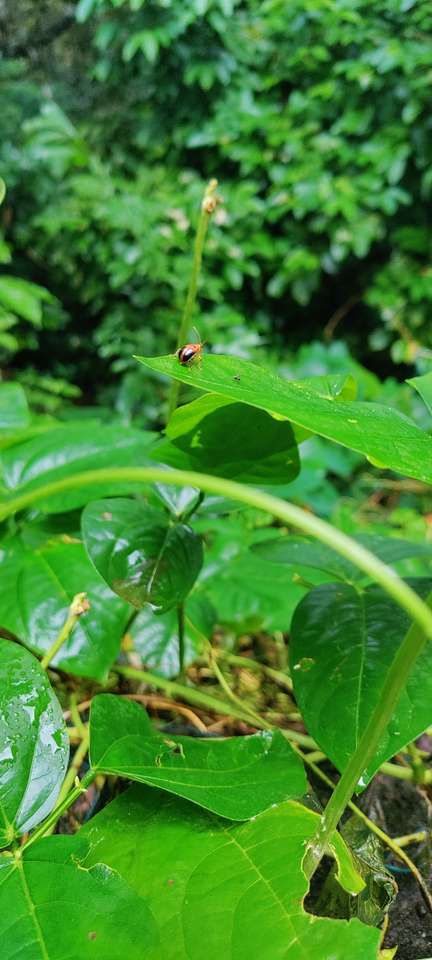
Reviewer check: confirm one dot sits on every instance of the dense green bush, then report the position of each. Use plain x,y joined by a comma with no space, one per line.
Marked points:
315,120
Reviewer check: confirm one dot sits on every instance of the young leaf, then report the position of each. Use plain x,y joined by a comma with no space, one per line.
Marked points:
65,451
236,778
342,643
241,883
54,906
380,433
34,745
47,582
235,442
140,553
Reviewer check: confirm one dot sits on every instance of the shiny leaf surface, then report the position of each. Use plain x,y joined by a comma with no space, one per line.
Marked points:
236,778
47,582
54,906
14,413
68,450
34,745
382,434
142,556
240,883
342,643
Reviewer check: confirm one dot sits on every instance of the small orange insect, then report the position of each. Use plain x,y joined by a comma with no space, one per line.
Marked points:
190,352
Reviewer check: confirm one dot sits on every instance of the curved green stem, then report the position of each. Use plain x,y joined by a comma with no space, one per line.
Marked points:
288,513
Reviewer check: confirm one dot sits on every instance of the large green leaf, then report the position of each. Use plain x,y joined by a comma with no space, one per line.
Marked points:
13,553
387,437
342,643
240,884
54,906
67,450
295,552
141,554
14,413
155,636
47,582
34,745
236,442
236,778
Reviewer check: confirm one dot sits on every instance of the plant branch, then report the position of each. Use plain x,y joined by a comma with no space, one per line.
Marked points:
79,605
208,206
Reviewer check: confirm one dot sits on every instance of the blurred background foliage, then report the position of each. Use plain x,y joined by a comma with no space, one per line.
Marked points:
314,115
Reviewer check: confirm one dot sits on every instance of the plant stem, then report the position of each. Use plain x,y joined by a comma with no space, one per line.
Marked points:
70,778
287,512
207,207
78,606
249,664
68,801
395,845
254,717
181,636
395,680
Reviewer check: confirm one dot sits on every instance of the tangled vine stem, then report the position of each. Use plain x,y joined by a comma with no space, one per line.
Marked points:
418,611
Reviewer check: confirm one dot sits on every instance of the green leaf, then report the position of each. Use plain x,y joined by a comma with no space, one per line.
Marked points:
342,643
48,581
12,556
240,883
34,745
236,778
236,442
54,905
155,636
382,434
14,413
140,553
308,553
23,298
423,385
68,450
2,190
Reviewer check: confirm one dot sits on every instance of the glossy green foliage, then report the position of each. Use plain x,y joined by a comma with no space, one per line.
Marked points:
236,442
34,746
67,450
54,905
423,385
142,555
242,884
47,582
236,778
343,642
385,436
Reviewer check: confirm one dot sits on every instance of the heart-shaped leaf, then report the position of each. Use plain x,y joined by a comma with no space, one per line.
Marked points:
141,554
54,906
240,883
385,436
236,778
236,442
342,643
34,745
47,582
68,450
